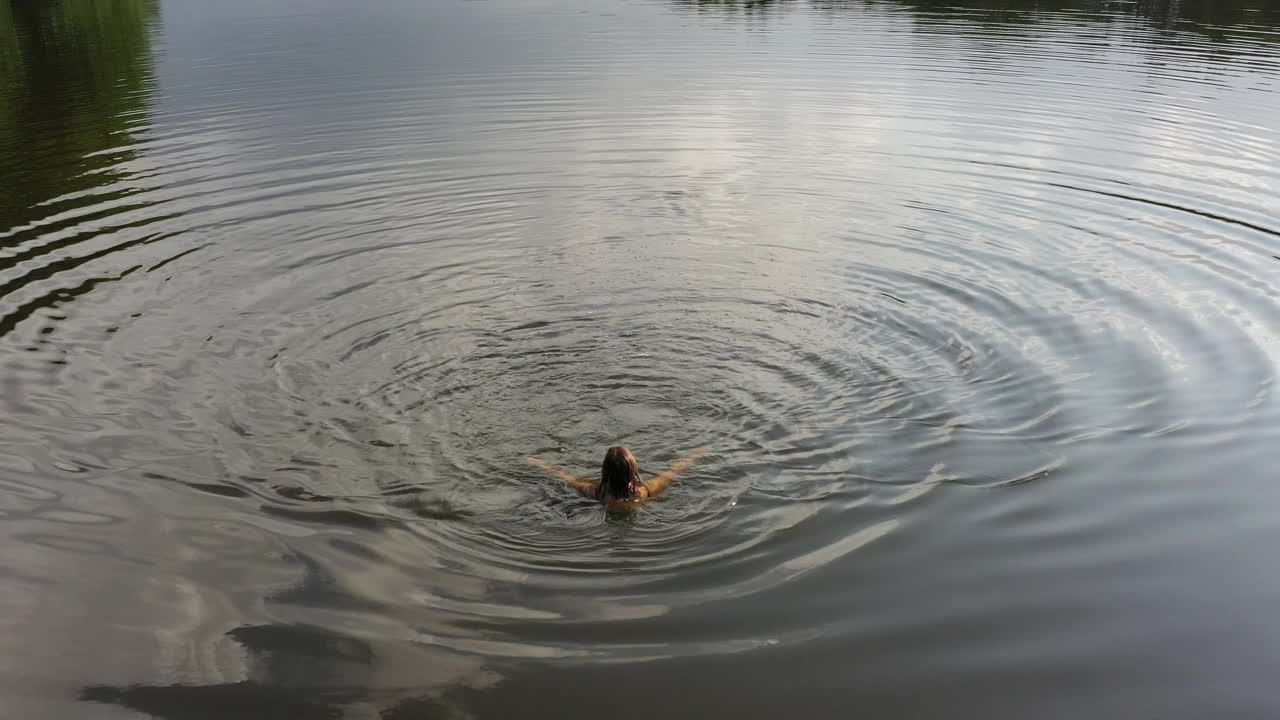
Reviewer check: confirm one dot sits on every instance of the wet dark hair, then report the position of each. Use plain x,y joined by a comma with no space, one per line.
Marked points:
618,473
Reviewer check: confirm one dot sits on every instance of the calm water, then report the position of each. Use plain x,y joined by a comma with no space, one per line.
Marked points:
976,306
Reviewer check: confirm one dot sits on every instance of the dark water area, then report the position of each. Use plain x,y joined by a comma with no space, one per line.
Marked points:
974,304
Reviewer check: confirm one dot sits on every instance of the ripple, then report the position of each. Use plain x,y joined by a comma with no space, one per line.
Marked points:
908,271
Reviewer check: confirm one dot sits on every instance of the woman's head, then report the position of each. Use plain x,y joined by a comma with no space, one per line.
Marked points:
618,472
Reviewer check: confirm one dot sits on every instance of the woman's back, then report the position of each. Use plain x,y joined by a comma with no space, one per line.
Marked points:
620,488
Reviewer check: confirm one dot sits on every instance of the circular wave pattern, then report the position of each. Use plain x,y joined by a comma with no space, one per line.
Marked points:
956,254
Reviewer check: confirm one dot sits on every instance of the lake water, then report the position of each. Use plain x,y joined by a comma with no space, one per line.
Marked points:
976,307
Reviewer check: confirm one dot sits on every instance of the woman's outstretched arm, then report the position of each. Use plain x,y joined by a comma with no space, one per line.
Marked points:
586,487
661,482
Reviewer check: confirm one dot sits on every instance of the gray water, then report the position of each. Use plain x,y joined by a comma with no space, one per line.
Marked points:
974,305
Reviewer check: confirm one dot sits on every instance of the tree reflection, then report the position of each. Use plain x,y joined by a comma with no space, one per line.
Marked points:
1208,17
75,80
736,6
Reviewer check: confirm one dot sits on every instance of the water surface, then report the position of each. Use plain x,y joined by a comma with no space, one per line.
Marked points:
975,306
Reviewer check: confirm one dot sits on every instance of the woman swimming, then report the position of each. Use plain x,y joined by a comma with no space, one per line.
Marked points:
620,486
